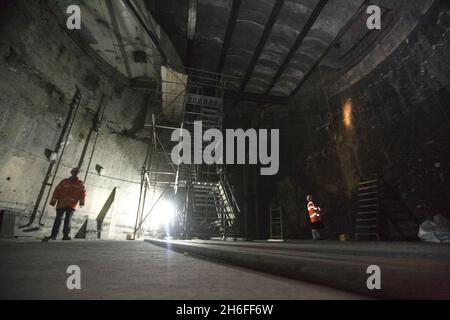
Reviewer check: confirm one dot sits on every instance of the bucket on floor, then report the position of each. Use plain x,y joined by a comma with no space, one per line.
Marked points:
343,237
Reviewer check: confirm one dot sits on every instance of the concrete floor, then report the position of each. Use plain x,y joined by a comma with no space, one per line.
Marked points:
407,270
137,270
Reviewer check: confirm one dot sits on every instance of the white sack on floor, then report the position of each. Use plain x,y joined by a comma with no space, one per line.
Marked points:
437,231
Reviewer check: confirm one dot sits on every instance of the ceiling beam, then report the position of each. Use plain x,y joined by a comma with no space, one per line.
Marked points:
262,42
189,53
253,97
332,44
119,37
229,33
301,37
151,86
192,19
192,22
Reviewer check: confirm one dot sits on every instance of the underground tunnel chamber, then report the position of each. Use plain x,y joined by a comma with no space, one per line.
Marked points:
362,116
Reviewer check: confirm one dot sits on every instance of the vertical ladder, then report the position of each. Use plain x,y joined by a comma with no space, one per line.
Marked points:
54,165
382,214
276,223
367,216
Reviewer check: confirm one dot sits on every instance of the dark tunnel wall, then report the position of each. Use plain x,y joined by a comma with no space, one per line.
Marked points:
394,123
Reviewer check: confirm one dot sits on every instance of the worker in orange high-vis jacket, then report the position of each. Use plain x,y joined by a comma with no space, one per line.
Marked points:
315,215
66,197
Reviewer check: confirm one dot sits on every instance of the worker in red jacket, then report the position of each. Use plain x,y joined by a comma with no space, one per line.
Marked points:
315,215
66,197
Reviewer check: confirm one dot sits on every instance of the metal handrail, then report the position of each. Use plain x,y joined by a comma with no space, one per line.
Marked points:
227,189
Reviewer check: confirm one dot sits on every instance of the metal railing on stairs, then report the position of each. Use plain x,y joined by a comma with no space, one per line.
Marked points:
211,208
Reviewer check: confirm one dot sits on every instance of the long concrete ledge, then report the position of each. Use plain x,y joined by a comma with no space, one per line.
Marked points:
403,276
386,249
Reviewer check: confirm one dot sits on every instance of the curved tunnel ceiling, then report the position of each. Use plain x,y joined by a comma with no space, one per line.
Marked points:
266,47
249,28
291,20
251,23
212,19
333,18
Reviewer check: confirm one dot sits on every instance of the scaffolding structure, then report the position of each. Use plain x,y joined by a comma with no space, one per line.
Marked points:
203,198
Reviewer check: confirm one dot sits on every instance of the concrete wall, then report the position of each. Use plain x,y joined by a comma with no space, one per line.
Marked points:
40,67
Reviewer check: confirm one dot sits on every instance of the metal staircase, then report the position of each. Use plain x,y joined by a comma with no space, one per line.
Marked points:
382,213
211,213
203,198
187,172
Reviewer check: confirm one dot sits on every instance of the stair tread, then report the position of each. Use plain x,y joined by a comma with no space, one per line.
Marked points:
366,188
367,193
367,212
369,199
368,206
367,181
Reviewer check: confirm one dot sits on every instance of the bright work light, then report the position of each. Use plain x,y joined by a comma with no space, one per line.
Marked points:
162,215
